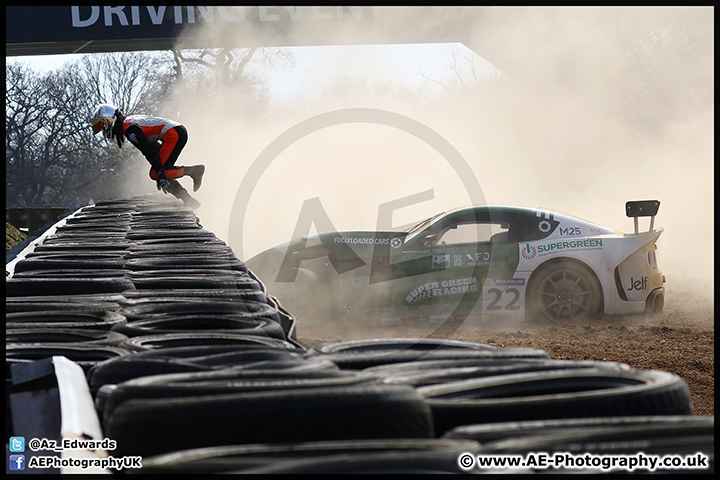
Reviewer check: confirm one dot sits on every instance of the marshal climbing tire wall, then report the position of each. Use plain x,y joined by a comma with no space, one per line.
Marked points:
194,366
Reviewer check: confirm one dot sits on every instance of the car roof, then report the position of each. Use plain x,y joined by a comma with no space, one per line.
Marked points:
496,209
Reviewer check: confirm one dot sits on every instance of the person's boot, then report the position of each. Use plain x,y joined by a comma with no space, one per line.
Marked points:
179,192
196,172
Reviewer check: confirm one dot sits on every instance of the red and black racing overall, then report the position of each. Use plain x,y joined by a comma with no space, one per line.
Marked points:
160,140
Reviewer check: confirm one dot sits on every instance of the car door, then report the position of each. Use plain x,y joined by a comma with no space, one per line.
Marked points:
448,263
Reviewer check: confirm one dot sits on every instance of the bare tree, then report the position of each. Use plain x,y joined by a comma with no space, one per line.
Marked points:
41,131
227,75
137,82
51,152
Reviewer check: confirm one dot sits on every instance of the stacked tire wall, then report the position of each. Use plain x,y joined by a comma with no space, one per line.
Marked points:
194,366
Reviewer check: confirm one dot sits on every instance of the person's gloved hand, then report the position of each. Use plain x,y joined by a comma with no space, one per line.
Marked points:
163,184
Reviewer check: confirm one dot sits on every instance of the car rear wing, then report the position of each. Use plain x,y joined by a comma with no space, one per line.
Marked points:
642,208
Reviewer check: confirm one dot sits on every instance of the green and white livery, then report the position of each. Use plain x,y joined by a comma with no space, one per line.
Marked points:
483,261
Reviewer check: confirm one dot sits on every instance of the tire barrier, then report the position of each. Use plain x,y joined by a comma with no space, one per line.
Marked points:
194,365
240,458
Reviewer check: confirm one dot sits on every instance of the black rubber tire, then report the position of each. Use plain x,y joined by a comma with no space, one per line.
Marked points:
187,359
82,244
227,381
209,264
65,335
151,427
189,306
190,282
85,274
199,272
69,319
37,306
36,263
493,432
87,247
163,324
85,239
77,255
167,252
397,344
198,295
364,360
85,355
268,366
451,373
163,251
593,392
214,460
65,286
563,292
183,241
421,366
165,232
92,228
170,340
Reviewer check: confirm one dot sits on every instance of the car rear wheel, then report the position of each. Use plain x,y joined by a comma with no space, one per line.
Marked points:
564,292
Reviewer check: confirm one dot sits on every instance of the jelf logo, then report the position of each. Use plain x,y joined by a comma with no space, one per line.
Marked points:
17,462
17,444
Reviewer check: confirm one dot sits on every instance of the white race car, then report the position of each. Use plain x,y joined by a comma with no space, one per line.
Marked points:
486,261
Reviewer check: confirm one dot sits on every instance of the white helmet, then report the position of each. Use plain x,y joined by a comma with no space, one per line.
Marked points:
104,119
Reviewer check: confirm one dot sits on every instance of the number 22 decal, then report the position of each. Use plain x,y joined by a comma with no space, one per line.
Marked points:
498,294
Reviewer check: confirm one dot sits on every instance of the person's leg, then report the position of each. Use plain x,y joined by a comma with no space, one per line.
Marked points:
173,143
179,192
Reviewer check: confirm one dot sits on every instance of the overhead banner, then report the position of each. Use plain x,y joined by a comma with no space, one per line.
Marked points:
94,28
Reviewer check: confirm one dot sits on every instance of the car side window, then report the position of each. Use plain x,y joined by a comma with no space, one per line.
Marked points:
474,233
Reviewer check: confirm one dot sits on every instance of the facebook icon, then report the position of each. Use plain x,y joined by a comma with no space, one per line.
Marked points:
17,462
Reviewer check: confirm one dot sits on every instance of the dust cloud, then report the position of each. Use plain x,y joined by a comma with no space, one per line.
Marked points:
555,126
